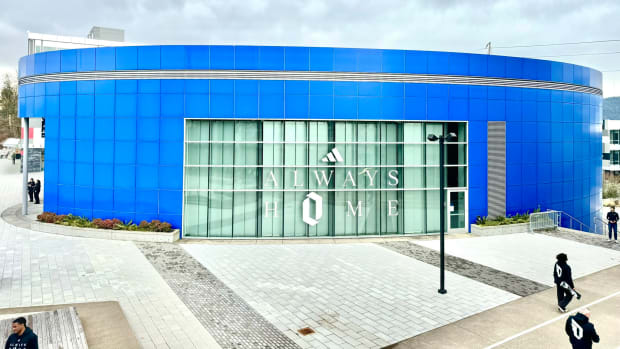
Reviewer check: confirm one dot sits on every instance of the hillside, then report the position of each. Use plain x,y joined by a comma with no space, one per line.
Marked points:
611,108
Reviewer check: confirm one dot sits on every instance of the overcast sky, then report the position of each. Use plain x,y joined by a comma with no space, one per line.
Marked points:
445,25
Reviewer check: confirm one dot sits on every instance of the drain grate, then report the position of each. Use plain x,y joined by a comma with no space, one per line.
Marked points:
305,331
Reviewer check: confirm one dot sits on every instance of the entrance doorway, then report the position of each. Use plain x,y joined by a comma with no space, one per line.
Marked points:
457,211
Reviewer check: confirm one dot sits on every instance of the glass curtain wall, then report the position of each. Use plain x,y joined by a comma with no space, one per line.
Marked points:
614,136
316,178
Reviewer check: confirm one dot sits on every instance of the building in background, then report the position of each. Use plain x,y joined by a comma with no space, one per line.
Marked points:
97,37
108,34
611,148
278,142
38,42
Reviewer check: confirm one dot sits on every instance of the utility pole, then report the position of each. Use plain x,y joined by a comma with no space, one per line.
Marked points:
488,47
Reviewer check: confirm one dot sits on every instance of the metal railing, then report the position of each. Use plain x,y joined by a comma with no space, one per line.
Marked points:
570,222
553,219
600,225
545,220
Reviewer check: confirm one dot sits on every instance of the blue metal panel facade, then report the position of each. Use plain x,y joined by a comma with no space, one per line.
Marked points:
114,148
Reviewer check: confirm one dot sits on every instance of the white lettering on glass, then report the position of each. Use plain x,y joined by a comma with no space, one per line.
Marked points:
273,179
323,177
393,174
271,208
371,177
357,211
392,208
349,178
295,184
318,209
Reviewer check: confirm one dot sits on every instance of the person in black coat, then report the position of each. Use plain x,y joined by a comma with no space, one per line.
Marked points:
22,337
31,189
37,190
562,276
612,218
581,331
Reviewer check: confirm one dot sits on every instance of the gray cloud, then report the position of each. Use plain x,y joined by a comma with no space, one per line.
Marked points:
448,25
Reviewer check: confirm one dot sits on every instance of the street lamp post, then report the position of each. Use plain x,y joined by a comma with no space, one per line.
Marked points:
442,206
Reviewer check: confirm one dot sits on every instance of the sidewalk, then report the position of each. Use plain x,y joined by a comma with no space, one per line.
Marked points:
495,325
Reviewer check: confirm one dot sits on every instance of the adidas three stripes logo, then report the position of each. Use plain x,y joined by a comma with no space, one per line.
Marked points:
333,156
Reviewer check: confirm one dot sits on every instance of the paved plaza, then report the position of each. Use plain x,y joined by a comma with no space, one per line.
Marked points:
487,275
528,255
352,295
42,269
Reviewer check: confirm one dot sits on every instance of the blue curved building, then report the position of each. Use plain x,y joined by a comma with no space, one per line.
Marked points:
257,141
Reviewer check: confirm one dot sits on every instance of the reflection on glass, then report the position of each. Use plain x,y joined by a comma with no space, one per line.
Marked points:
253,178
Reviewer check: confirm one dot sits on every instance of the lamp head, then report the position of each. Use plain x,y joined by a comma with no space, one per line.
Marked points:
432,137
451,137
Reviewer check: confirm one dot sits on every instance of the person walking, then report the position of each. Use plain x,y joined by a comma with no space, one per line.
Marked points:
13,157
580,330
22,337
31,189
563,278
612,218
37,190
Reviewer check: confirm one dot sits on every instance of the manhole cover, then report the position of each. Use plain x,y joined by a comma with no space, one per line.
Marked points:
305,331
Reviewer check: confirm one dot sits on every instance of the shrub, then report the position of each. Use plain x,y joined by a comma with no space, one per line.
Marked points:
47,217
610,191
501,220
155,225
114,223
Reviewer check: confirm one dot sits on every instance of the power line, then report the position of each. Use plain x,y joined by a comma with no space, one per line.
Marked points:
582,54
560,44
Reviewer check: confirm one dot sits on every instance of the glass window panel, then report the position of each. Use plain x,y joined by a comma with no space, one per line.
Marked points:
414,212
236,161
432,211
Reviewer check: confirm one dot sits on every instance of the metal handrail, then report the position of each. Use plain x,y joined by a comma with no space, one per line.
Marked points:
603,224
581,224
554,219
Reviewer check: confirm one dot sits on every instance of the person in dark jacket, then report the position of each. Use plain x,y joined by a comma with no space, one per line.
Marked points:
31,189
37,190
22,337
612,223
581,331
563,278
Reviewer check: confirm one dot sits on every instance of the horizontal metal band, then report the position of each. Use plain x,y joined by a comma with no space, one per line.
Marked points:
305,75
320,143
317,190
324,166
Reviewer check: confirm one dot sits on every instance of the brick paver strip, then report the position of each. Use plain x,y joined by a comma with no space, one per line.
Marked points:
229,319
492,277
584,238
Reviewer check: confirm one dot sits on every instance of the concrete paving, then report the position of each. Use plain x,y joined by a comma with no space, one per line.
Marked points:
44,269
231,321
529,255
493,327
351,295
490,276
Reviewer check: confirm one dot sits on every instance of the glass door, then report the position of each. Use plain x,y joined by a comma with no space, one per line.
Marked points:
457,211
